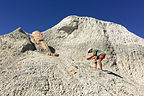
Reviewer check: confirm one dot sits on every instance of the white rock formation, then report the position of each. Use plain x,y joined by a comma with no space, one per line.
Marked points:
125,50
30,73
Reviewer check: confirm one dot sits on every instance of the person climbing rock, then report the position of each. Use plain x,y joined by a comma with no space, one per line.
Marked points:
97,55
40,43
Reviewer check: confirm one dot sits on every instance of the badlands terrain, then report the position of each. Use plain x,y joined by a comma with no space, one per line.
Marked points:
25,71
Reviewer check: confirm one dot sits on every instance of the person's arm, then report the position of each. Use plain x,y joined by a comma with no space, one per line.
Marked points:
90,57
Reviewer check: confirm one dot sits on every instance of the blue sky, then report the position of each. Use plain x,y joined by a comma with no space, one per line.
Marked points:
41,15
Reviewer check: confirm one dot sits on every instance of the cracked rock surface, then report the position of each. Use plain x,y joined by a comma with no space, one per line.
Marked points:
26,72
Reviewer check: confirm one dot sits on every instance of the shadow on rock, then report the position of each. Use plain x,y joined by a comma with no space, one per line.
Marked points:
51,49
109,72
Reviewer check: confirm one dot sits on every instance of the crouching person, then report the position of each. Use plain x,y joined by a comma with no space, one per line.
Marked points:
97,54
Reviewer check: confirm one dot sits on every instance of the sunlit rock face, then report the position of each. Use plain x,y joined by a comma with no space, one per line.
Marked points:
24,71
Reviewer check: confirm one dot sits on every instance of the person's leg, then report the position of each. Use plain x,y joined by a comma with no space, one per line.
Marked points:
95,58
100,59
100,63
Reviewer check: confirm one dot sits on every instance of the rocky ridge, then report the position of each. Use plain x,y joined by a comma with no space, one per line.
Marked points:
27,72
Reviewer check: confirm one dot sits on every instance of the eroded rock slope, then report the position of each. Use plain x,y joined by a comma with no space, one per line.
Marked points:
26,72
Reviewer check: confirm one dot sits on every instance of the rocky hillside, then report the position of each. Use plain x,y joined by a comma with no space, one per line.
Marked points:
26,72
